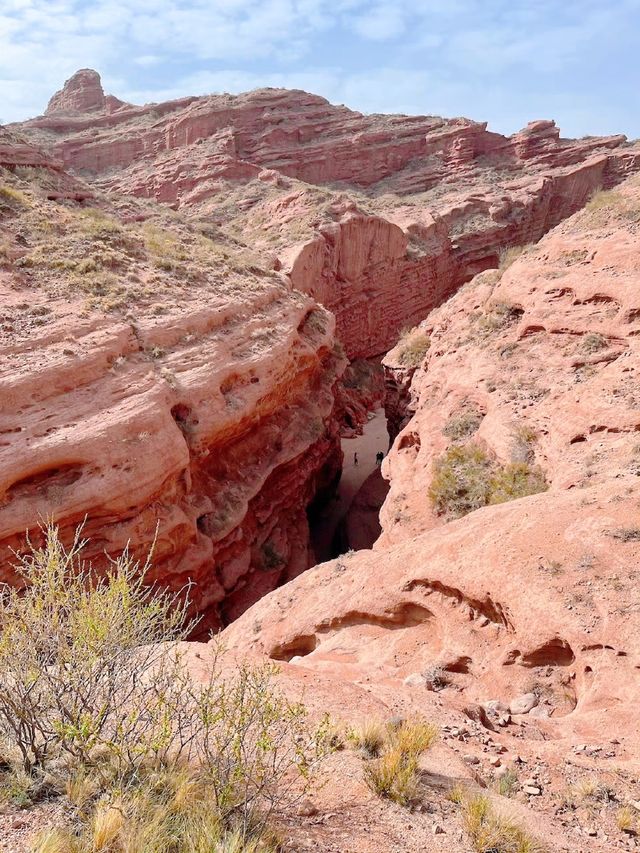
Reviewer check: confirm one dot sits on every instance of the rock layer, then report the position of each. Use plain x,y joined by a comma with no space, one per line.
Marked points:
206,423
430,201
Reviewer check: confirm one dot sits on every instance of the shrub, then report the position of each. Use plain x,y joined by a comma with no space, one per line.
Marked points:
461,480
463,424
516,480
394,774
490,832
594,341
497,316
413,347
465,479
94,687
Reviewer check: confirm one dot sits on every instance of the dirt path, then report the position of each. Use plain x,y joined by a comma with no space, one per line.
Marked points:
373,439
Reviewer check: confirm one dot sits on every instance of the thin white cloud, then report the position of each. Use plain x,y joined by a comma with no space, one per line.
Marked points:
494,59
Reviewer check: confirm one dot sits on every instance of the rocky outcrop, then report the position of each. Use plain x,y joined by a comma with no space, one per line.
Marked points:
437,199
82,93
204,423
519,619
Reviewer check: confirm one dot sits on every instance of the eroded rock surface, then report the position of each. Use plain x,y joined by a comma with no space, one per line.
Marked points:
380,218
521,617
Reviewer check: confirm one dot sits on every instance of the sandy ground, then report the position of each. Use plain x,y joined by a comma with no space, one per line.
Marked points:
373,439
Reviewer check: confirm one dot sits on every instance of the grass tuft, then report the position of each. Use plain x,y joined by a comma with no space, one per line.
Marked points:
490,832
413,347
393,775
465,479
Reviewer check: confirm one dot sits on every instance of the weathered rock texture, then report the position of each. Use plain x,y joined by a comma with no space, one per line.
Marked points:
536,596
200,414
293,202
430,201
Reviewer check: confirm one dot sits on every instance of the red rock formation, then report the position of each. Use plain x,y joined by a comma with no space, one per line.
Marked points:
522,616
82,93
208,424
445,195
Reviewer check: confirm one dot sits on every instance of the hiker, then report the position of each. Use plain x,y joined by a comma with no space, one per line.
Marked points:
379,457
355,458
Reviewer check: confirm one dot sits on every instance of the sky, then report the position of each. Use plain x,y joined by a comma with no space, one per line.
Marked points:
506,62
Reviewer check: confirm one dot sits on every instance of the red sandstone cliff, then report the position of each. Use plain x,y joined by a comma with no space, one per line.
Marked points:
516,626
408,208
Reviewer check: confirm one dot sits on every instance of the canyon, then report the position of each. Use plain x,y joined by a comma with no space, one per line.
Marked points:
195,300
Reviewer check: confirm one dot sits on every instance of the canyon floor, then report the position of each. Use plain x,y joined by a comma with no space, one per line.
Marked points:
203,302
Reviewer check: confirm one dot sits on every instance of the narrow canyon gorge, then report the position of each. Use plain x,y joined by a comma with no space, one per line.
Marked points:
209,305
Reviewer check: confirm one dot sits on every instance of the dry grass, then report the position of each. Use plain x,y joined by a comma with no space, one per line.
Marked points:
490,832
413,347
393,775
12,197
626,820
510,255
369,736
465,478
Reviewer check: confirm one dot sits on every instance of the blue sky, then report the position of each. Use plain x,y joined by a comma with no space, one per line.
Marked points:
502,61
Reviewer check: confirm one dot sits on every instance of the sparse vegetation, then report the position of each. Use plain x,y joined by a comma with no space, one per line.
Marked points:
593,342
96,700
463,424
393,775
607,204
497,316
626,534
510,255
490,832
465,479
413,347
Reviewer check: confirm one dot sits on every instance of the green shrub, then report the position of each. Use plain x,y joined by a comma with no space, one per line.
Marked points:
465,479
516,480
461,480
95,690
394,774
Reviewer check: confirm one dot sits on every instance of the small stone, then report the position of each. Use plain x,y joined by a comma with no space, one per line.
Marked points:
532,790
471,759
437,829
415,680
307,809
495,761
523,704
